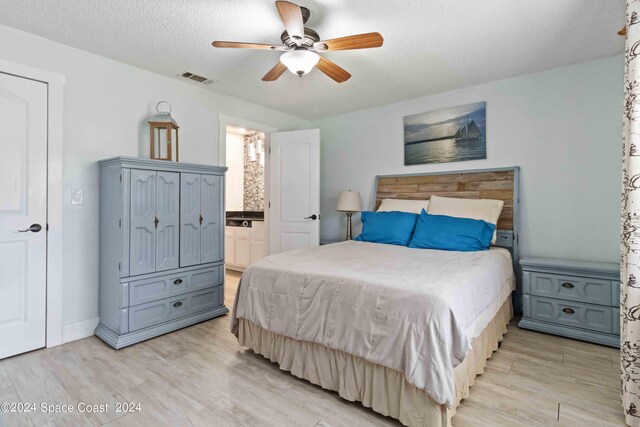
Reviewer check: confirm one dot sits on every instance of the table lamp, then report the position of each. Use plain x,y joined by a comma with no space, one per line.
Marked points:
349,202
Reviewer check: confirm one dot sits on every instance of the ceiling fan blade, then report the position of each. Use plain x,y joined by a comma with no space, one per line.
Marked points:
291,15
242,45
275,72
332,70
359,41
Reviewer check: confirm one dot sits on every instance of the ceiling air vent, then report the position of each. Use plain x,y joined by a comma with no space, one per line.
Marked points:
196,78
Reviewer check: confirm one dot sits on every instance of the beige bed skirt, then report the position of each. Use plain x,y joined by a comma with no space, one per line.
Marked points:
380,388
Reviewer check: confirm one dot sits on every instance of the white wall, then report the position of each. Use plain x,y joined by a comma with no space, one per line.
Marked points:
234,191
106,107
562,127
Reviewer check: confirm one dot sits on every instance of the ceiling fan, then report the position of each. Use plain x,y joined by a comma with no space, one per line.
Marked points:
301,45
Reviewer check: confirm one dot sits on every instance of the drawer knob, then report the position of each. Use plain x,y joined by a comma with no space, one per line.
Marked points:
177,304
568,285
177,281
568,310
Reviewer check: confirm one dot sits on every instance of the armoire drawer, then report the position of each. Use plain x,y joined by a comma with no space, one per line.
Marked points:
570,313
574,288
156,312
147,290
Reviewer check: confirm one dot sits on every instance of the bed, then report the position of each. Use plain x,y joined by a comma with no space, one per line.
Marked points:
403,331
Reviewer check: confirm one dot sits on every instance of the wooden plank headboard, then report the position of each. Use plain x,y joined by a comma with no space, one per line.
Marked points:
498,184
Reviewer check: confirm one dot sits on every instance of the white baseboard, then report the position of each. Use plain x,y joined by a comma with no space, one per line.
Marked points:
79,330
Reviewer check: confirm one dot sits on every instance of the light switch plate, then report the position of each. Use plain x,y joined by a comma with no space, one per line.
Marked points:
77,197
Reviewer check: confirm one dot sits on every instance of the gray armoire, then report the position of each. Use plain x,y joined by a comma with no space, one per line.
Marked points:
161,247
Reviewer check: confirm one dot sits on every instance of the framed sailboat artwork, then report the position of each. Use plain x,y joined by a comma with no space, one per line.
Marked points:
452,134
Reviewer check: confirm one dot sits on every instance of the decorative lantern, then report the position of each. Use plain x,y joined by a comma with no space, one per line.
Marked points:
163,134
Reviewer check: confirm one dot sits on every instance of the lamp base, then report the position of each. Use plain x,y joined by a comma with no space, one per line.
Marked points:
349,236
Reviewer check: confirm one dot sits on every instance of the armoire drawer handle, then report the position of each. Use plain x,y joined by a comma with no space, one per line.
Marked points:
177,304
568,310
568,285
177,281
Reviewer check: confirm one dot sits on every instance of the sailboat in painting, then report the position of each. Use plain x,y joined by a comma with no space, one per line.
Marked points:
468,131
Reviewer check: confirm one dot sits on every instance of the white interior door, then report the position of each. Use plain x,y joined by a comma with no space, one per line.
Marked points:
294,190
23,206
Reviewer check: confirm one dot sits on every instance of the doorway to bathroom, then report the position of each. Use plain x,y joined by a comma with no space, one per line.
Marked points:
245,232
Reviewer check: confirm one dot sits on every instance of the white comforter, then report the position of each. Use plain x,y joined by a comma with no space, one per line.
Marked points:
412,310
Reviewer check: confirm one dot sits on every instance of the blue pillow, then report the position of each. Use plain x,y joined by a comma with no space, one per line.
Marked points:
393,228
450,233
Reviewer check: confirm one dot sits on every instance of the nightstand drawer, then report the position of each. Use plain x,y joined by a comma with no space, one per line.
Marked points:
570,313
574,288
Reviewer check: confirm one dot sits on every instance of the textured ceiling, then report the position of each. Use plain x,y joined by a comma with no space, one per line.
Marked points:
430,45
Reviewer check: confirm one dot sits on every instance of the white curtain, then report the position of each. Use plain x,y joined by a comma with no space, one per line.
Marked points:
630,247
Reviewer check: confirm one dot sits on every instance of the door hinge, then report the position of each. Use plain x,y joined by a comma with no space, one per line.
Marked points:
269,205
119,223
46,227
269,150
119,267
120,177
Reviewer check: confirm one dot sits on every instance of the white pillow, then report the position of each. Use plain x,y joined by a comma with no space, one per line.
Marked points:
403,205
484,209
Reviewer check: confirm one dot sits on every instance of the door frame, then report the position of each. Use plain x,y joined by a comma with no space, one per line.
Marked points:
223,122
55,90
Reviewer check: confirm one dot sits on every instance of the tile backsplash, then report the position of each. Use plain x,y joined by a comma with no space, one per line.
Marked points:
253,180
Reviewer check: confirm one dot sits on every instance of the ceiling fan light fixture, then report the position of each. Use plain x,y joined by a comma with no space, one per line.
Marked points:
300,61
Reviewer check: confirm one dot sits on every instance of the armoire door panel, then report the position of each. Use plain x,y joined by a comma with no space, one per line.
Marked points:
125,224
210,243
190,219
168,212
142,246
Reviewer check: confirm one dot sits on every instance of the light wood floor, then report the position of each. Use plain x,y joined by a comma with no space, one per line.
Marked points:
200,376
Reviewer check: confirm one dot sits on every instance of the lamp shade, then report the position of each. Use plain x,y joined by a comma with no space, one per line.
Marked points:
300,61
349,201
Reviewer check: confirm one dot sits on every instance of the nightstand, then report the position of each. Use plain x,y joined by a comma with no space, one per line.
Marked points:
575,299
330,241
